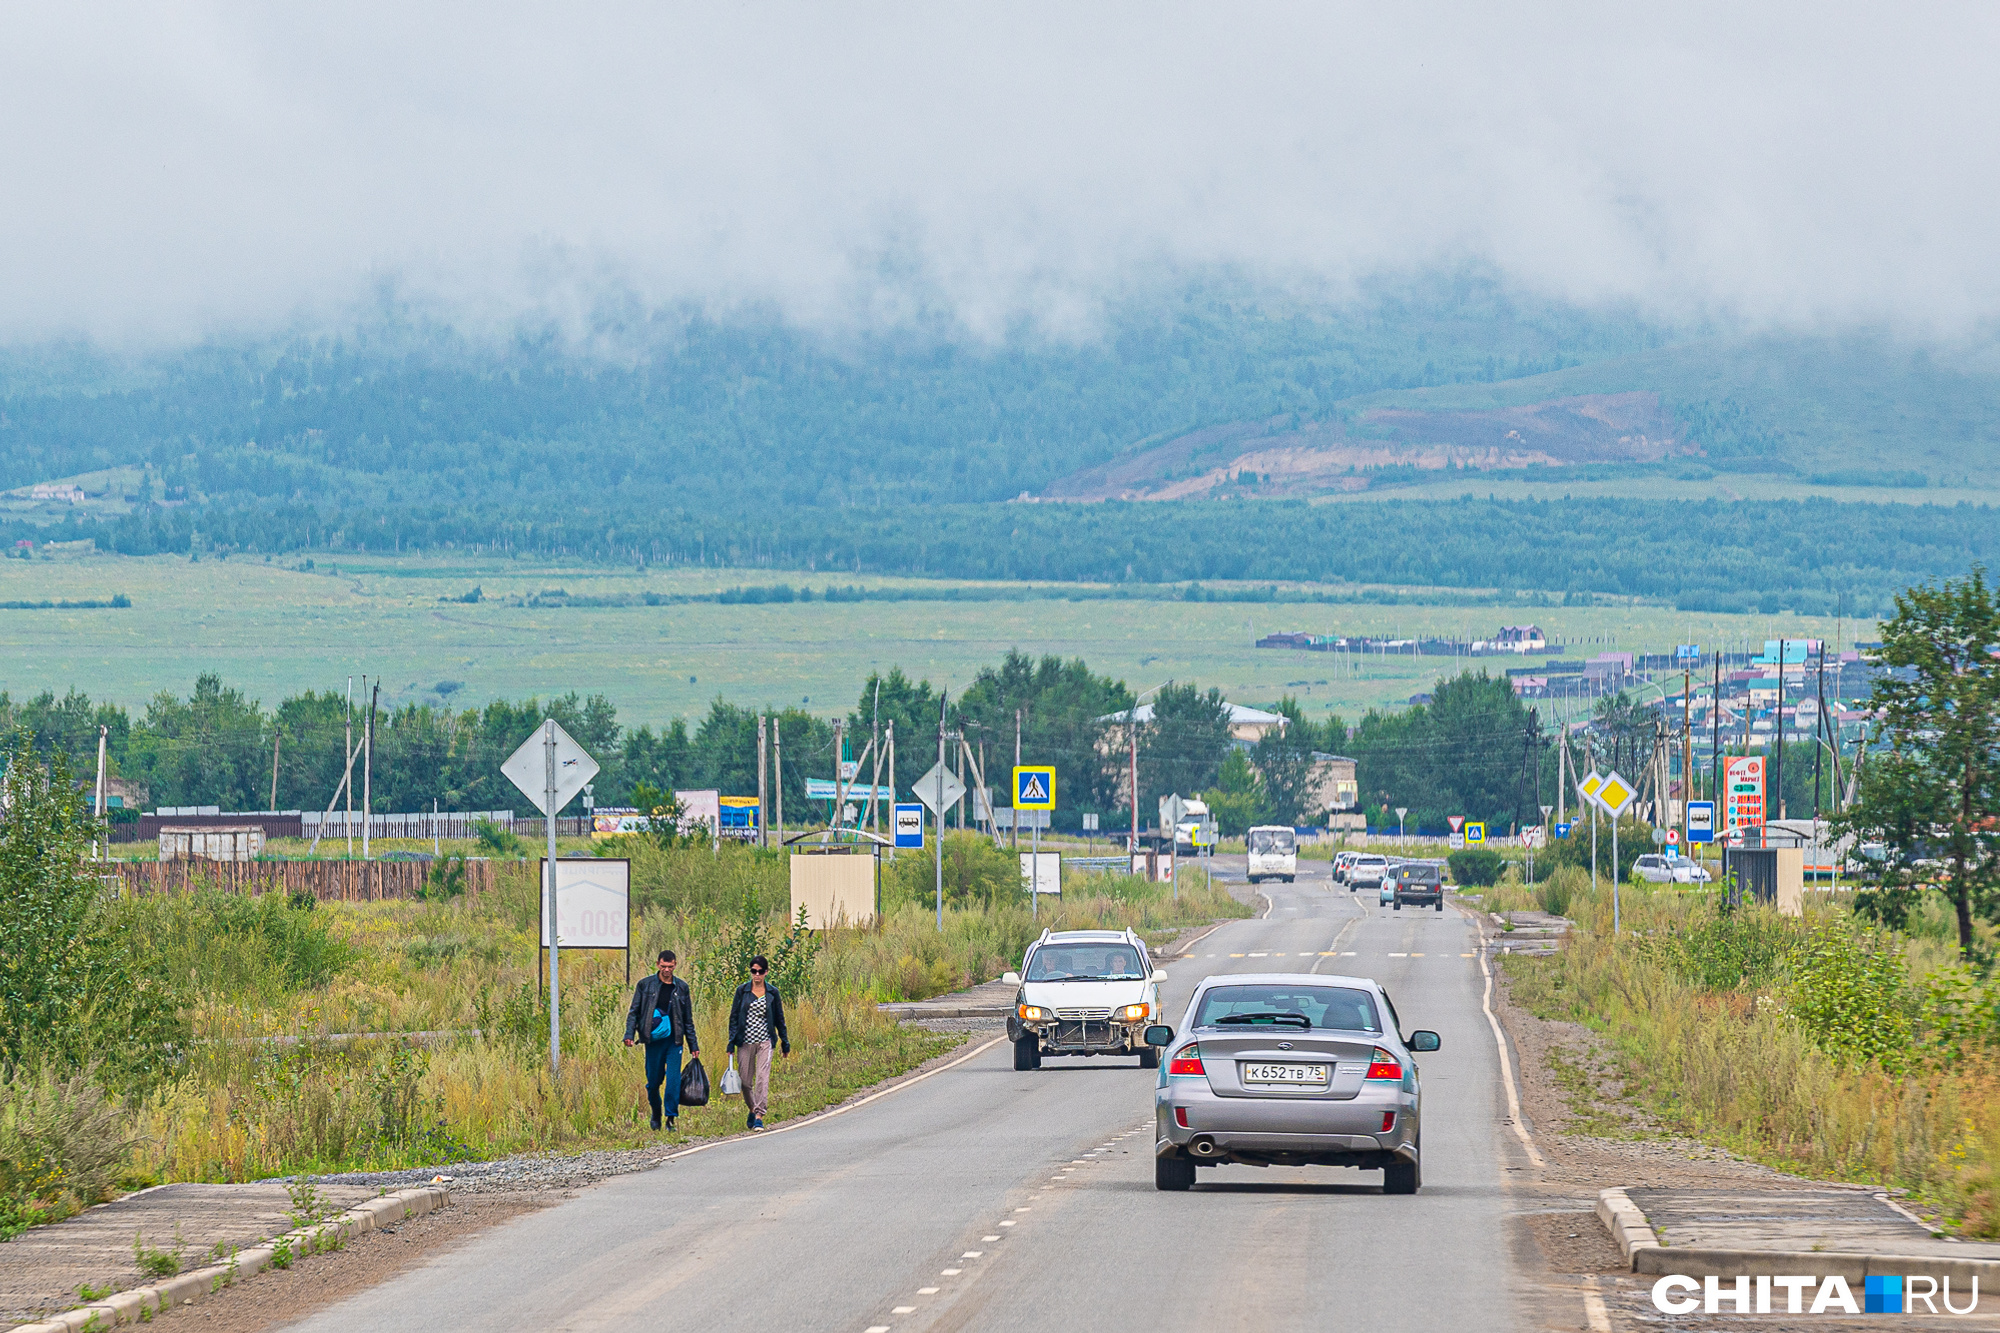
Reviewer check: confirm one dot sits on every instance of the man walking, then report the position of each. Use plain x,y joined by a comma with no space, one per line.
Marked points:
662,1015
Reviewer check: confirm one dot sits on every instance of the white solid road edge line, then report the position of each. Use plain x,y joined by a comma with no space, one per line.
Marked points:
141,1304
838,1110
1506,1063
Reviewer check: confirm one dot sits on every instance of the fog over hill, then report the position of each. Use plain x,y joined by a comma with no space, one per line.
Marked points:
657,269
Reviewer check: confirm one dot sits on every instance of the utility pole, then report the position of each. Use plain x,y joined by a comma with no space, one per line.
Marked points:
348,823
890,736
1687,741
1132,734
437,839
555,938
98,805
778,776
875,744
958,767
276,736
368,766
939,840
763,789
1778,761
1819,725
1014,843
839,775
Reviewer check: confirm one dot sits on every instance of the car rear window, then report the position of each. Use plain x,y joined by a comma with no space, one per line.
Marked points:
1085,962
1251,1004
1425,873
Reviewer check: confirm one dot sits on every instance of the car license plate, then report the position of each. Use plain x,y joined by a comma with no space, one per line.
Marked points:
1310,1076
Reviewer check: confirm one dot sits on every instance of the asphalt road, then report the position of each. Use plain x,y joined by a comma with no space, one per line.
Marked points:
982,1198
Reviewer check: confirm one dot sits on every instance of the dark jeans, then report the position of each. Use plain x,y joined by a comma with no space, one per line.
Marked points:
663,1064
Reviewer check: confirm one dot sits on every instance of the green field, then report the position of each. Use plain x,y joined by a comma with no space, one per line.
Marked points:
274,629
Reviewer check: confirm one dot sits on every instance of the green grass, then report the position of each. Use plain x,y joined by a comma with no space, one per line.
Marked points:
275,630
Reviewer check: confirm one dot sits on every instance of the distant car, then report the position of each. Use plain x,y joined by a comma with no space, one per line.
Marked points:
1388,895
1417,883
1276,1069
1655,868
1366,872
1341,860
1273,853
1688,871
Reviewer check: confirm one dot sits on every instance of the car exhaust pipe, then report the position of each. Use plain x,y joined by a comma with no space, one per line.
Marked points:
1202,1146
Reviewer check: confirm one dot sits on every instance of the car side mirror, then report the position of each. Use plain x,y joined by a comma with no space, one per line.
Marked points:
1421,1041
1159,1034
1011,978
1159,975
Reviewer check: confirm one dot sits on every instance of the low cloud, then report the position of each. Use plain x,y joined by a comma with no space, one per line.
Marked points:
186,171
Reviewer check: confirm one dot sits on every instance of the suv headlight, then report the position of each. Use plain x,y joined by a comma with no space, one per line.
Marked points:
1134,1013
1032,1013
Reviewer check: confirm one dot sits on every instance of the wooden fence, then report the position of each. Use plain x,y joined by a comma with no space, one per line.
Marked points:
337,881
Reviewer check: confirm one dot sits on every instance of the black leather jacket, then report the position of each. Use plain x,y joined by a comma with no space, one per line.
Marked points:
679,1007
774,1014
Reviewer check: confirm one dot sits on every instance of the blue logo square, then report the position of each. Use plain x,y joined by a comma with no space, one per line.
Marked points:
1882,1295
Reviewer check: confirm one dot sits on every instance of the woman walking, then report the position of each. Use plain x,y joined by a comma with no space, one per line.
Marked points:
757,1015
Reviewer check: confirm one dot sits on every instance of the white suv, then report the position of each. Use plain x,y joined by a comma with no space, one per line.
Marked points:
1084,992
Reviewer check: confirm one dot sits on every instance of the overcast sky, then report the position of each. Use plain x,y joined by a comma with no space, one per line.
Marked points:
174,171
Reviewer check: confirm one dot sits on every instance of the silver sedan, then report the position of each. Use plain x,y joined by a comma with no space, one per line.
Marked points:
1277,1069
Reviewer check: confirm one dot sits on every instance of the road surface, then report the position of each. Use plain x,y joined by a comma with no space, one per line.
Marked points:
982,1198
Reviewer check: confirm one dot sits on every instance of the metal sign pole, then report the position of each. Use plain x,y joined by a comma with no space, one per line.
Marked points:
1615,876
1035,879
940,815
555,936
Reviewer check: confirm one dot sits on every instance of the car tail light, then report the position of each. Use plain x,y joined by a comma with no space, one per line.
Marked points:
1388,1121
1384,1065
1180,1116
1189,1062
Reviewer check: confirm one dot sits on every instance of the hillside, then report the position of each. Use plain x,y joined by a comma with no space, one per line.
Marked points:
1854,413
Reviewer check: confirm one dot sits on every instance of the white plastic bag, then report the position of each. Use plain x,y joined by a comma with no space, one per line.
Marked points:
732,1082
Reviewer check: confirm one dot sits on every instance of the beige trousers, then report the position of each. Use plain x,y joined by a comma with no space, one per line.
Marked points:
753,1066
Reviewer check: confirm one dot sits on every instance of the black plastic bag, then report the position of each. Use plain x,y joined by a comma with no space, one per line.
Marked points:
694,1083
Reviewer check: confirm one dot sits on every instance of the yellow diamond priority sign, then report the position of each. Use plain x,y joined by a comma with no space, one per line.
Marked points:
1615,794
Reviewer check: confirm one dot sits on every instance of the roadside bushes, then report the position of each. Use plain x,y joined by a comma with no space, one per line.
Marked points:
1475,866
62,1144
232,946
1806,1043
74,987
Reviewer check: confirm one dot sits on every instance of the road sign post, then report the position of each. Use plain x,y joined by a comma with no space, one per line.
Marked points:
550,769
1614,793
1401,840
1035,789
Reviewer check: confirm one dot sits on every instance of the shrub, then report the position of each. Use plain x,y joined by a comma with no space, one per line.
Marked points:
238,947
73,987
62,1143
497,841
1475,866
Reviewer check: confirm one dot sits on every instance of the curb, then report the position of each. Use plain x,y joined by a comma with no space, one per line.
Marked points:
1644,1252
916,1009
141,1304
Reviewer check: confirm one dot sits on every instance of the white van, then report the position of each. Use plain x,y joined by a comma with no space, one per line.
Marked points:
1274,853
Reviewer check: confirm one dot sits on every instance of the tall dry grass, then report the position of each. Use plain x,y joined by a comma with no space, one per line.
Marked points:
274,1083
1734,1064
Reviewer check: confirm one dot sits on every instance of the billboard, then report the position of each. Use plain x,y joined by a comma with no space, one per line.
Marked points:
1743,791
593,903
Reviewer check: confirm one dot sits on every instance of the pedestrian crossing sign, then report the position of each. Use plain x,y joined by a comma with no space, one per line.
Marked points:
1475,834
1034,788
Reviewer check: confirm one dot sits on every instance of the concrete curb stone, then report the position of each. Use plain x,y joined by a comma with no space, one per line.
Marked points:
141,1303
1644,1252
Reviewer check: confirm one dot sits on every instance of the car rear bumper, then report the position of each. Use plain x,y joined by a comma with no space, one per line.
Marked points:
1287,1129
